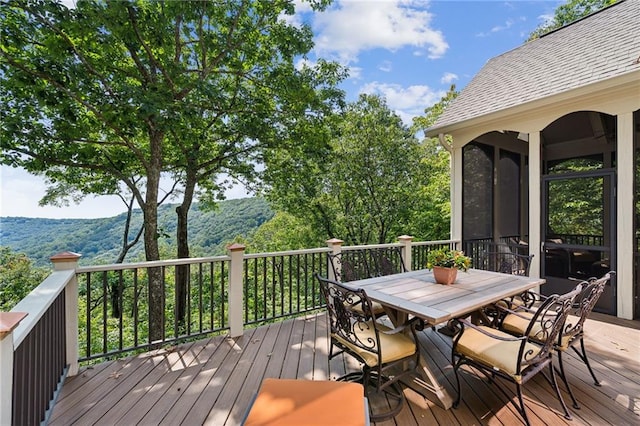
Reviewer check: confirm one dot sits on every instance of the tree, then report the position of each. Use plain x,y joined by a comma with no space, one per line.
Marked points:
283,232
17,278
128,92
431,217
373,172
358,187
569,12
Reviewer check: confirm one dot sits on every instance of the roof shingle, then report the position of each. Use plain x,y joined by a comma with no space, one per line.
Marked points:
601,46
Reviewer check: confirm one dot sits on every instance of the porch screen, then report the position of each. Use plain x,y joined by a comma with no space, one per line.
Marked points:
508,220
477,191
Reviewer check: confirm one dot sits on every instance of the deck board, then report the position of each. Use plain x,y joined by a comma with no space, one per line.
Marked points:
213,381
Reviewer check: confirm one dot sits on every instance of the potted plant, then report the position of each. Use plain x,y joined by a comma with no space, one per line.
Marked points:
445,264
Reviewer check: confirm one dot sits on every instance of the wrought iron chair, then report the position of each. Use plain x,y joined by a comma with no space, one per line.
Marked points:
515,323
506,262
516,359
351,265
378,348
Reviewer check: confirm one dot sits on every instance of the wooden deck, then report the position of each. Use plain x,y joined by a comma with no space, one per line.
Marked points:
212,381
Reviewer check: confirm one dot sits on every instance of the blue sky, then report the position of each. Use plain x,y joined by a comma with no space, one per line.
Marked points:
409,51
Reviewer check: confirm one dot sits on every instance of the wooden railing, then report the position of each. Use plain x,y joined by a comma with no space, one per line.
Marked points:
44,347
89,314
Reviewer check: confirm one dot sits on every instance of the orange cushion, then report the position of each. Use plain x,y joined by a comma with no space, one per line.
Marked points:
305,402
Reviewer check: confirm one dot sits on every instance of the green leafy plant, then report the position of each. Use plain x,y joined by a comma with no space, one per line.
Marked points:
448,258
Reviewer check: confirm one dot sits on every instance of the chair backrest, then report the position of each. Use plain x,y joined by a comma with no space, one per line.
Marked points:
346,323
547,324
351,265
585,302
506,262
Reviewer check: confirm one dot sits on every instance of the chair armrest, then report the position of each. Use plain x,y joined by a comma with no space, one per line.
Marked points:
517,312
529,298
464,323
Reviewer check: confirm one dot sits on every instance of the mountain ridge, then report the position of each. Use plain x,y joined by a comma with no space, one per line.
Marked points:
99,240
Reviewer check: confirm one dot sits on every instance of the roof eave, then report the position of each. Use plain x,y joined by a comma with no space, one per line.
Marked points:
631,79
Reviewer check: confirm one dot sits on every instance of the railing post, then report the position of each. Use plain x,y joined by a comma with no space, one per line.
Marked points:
8,322
406,240
65,261
236,289
336,248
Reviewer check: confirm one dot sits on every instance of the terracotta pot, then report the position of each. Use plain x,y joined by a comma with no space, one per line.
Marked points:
445,275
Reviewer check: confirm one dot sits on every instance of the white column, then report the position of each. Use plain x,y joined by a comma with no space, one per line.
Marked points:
406,240
456,193
625,212
236,289
65,261
535,175
335,267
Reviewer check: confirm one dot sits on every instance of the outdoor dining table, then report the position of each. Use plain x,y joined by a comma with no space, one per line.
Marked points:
416,293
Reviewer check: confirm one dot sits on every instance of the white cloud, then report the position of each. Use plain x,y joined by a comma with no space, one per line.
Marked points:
355,73
385,66
302,6
297,19
303,63
407,102
509,23
448,78
350,27
546,19
70,4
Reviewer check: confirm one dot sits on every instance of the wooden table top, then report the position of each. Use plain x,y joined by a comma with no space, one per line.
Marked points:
418,294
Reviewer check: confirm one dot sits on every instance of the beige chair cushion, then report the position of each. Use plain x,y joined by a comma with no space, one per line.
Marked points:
393,346
497,354
376,307
516,325
512,304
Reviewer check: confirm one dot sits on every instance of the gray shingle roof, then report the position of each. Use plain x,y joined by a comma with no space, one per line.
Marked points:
600,46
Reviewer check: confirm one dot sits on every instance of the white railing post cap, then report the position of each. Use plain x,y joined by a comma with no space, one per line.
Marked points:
334,242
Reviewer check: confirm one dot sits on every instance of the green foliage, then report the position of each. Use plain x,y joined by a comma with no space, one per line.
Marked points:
283,232
373,172
17,277
431,114
569,12
575,204
448,258
431,211
117,94
99,240
360,187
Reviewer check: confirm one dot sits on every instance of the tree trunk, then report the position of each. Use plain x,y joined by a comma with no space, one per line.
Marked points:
182,240
152,251
116,288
